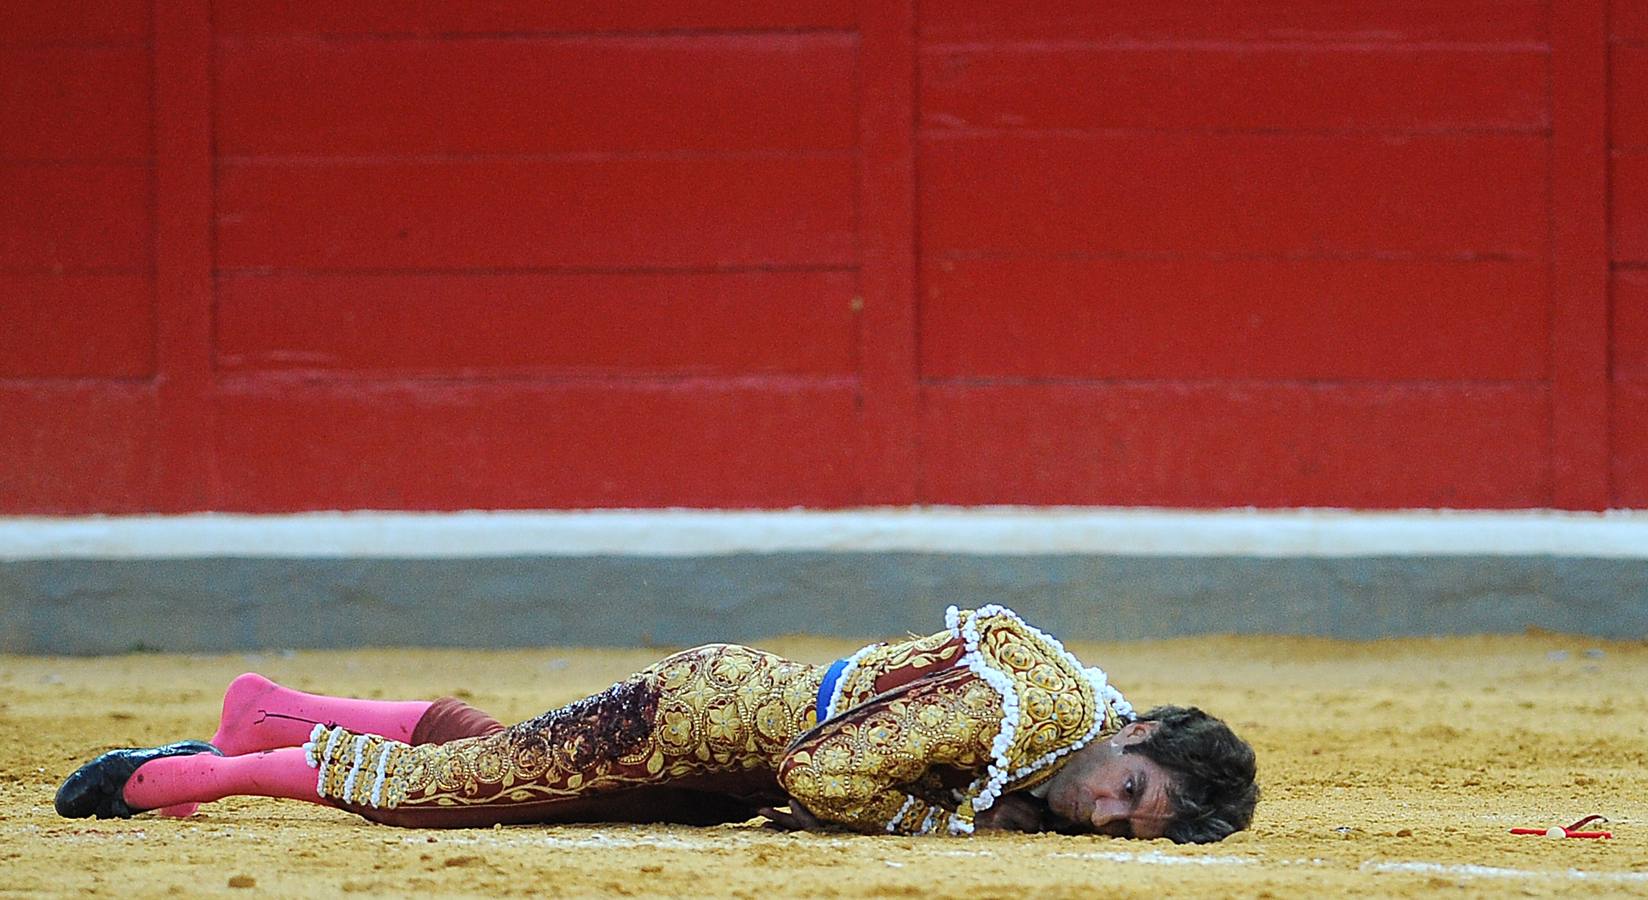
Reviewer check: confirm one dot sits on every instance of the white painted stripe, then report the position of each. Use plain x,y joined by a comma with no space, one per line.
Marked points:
1157,858
1170,858
1467,870
989,531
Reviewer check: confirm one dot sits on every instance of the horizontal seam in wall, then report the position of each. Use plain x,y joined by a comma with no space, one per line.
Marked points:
230,37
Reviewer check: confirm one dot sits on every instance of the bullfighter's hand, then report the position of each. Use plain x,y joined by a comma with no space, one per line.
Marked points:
798,818
1015,812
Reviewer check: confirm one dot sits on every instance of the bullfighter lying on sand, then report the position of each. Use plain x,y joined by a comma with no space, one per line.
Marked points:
989,723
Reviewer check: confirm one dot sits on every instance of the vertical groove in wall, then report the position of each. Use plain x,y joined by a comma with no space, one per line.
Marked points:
1579,256
887,287
183,254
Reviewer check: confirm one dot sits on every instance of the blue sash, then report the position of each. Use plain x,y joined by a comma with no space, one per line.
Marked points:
827,689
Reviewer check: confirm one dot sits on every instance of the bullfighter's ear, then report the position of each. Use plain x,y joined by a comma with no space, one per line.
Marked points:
1134,732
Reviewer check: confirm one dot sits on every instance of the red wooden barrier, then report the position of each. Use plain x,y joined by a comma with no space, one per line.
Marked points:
424,255
1628,145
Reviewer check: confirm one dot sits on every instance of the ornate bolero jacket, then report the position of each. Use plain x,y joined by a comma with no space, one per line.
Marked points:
923,734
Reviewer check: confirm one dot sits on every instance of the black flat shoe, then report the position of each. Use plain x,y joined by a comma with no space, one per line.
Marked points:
94,788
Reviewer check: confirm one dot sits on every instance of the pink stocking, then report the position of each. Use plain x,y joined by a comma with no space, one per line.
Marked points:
203,777
259,714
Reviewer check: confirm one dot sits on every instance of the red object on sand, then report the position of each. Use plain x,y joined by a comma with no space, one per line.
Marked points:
1571,831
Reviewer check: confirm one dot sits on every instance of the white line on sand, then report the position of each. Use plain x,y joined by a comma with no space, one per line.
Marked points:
1466,870
1156,858
987,531
598,839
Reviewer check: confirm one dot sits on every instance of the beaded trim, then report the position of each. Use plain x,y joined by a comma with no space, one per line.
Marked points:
988,787
841,683
928,823
357,769
893,823
925,826
377,784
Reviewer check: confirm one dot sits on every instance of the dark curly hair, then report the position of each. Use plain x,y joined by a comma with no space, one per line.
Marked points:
1213,791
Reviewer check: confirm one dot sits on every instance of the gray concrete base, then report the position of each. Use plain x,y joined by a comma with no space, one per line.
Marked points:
114,606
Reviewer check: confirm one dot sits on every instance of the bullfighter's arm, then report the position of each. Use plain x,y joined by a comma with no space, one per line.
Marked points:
873,768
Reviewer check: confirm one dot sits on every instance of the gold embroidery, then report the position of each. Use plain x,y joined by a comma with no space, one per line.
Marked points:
717,708
725,709
921,656
865,767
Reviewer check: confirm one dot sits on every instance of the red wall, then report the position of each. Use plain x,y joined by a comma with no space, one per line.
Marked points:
430,255
1628,150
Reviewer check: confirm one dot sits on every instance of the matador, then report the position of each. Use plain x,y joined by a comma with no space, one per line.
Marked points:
989,723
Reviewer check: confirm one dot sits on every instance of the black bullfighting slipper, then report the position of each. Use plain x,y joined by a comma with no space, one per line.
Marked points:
95,788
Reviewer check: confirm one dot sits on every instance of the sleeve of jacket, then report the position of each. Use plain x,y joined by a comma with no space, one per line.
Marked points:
872,768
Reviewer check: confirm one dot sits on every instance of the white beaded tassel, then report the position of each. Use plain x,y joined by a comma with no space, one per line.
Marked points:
356,764
319,756
892,824
383,774
311,748
929,822
841,682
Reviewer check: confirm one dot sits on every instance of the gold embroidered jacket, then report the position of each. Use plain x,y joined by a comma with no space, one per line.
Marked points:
938,728
916,736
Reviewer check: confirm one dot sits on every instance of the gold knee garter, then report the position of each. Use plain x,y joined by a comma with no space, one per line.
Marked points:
358,769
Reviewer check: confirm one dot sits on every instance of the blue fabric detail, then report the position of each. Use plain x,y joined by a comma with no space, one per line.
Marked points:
827,689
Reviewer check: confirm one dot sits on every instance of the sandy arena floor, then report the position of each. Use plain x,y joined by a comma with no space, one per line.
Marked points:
1390,768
